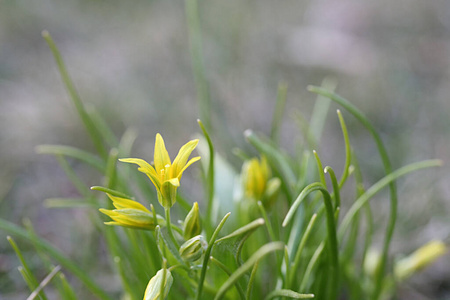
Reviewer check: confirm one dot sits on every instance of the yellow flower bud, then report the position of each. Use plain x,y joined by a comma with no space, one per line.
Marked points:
193,248
257,183
192,225
153,290
132,214
419,259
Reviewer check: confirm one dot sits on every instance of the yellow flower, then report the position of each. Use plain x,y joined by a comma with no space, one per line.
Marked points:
166,175
257,183
132,214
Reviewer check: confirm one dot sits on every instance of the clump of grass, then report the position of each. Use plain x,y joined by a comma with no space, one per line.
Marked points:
287,238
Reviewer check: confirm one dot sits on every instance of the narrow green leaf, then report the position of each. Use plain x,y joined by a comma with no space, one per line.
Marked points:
57,255
73,152
195,41
27,275
68,292
44,283
374,189
224,268
111,192
263,251
250,227
68,203
85,118
289,294
207,254
278,113
209,179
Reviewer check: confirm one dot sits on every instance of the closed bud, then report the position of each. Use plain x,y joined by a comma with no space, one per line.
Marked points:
153,290
193,249
131,214
192,225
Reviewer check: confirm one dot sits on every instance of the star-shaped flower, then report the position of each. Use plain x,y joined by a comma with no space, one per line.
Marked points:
166,175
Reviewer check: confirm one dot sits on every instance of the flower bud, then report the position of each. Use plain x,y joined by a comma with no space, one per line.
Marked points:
193,249
153,290
255,174
192,225
420,259
131,214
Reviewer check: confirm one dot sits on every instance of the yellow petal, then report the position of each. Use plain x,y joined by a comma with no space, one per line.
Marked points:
145,168
182,157
121,203
190,162
161,157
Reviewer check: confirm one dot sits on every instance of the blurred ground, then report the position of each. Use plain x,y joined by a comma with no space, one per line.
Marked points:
132,62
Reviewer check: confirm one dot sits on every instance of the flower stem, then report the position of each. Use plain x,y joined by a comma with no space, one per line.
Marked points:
169,228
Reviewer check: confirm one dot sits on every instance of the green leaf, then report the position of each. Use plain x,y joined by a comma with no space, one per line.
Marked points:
73,152
289,294
263,251
57,255
111,192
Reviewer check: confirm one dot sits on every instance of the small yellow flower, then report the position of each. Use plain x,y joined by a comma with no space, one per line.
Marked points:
166,175
132,214
257,183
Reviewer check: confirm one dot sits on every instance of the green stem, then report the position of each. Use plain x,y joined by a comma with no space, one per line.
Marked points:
207,255
209,178
169,228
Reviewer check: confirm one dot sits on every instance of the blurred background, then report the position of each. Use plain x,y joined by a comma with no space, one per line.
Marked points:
131,61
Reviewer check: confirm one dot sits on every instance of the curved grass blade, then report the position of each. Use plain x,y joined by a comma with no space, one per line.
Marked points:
348,152
289,294
85,118
374,189
228,272
212,241
25,270
57,255
195,42
73,152
44,282
250,227
388,169
278,113
263,251
209,177
110,191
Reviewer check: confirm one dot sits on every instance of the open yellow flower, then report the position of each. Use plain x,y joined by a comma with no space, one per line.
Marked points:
166,175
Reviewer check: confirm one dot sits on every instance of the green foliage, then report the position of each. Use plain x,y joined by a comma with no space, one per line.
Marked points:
297,247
